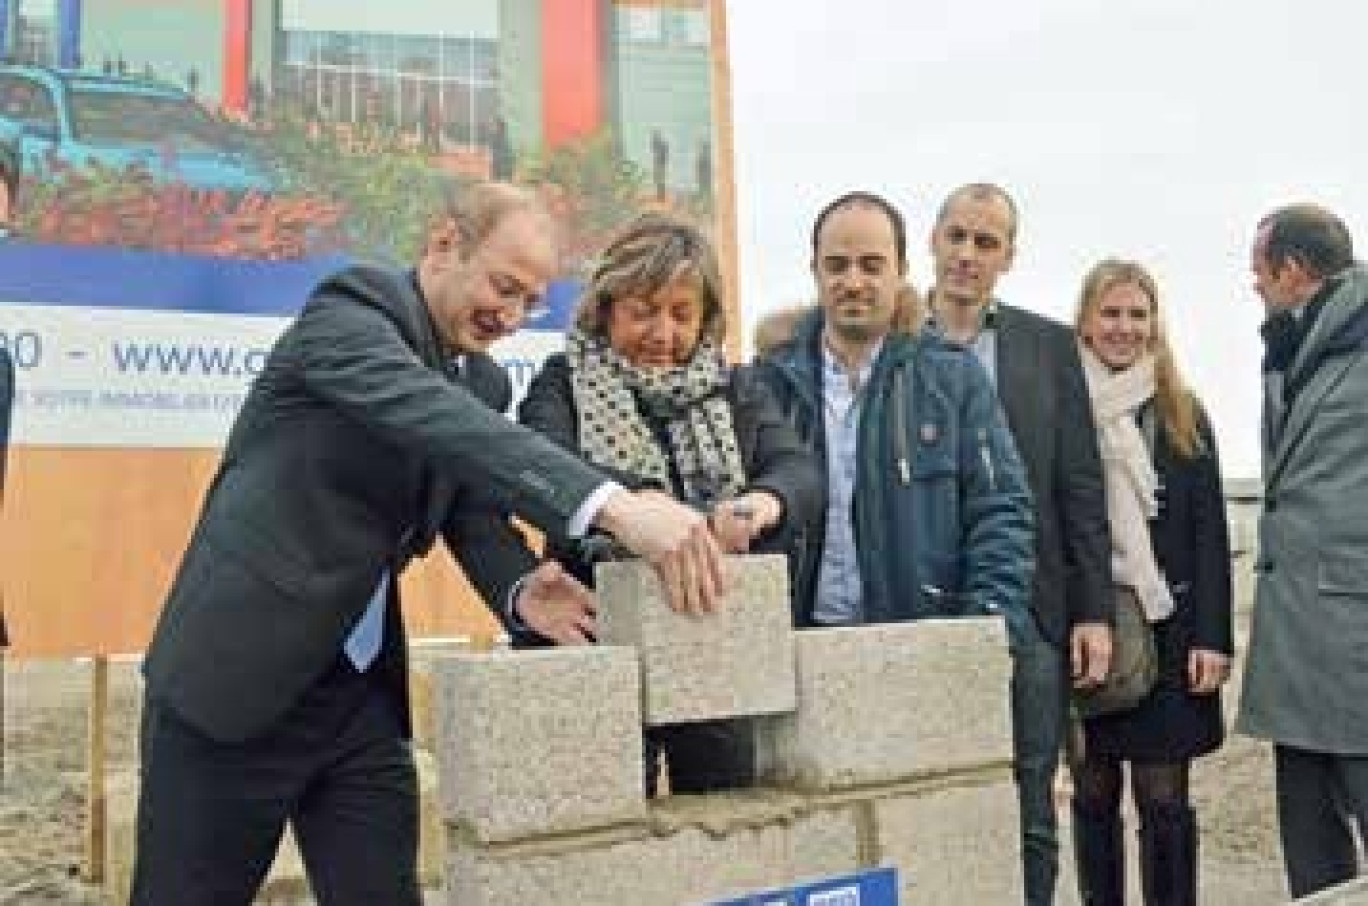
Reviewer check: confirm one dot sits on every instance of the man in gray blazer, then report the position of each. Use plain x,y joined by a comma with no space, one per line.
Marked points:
1306,677
276,680
1035,365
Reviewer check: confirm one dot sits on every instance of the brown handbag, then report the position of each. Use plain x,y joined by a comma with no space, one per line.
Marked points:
1134,664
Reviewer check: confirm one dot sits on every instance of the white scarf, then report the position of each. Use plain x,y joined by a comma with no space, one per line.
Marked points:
1131,482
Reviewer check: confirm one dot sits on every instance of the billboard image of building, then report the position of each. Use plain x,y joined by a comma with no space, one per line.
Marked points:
189,169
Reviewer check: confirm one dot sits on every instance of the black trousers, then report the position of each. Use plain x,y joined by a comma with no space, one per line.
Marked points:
701,757
337,768
1322,798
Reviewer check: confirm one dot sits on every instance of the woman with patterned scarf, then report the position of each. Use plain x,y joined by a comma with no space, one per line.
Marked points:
1170,551
645,393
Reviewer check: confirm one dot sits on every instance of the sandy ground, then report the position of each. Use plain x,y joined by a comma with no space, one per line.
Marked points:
42,807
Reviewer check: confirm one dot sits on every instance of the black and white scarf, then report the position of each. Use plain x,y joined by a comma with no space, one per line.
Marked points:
618,403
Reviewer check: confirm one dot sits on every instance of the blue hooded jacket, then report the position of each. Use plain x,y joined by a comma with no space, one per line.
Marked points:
942,512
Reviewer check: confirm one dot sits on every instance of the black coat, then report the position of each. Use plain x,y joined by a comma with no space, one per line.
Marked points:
773,457
1192,547
355,449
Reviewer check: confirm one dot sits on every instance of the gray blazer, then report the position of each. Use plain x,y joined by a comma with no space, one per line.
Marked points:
354,450
1306,676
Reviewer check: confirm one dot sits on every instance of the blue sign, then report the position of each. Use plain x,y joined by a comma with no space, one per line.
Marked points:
876,887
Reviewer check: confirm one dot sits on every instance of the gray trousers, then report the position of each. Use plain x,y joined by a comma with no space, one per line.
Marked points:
1322,800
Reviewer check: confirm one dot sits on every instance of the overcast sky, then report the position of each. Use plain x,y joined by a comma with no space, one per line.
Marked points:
1153,129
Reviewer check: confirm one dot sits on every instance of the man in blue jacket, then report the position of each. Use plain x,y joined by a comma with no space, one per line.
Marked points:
927,509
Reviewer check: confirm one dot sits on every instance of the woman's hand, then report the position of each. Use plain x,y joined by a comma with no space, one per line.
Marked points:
736,523
1207,670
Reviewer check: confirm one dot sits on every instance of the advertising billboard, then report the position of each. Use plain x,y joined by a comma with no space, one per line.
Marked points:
184,172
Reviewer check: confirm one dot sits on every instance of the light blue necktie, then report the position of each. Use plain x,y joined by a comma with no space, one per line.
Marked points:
363,644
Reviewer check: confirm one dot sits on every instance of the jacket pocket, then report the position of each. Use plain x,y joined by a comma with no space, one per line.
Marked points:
1343,573
932,456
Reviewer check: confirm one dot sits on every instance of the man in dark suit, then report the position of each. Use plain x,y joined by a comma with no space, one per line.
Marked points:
1035,364
276,680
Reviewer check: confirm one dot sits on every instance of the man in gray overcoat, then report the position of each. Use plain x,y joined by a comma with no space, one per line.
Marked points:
1306,680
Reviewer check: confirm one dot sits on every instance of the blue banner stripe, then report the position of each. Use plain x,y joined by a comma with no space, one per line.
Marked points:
105,277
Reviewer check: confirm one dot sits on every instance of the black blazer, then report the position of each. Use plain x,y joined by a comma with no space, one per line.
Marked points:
773,457
1040,382
1191,541
354,450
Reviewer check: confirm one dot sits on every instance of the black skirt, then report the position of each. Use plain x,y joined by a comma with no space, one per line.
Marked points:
1171,724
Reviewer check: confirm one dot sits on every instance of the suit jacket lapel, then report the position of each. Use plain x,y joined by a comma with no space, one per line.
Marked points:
1016,360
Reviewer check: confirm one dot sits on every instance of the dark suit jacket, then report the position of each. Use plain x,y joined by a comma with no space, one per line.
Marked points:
1040,382
354,450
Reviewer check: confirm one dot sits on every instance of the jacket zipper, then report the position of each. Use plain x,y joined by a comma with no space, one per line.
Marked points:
900,440
987,458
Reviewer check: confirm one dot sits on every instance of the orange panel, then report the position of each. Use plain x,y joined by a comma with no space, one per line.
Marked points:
572,69
237,38
90,539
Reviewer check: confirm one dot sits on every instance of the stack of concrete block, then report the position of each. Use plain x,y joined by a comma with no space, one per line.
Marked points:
735,662
691,850
917,717
894,748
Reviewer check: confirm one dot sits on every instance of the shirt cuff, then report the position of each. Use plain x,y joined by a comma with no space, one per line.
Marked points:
512,620
583,517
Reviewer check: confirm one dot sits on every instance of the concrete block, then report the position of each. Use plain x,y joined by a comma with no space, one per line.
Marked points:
881,703
735,662
539,742
676,865
954,844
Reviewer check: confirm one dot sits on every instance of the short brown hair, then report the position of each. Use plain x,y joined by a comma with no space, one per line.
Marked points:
477,208
1310,235
650,252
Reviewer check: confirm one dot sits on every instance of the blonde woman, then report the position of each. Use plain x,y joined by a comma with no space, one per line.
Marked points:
1170,550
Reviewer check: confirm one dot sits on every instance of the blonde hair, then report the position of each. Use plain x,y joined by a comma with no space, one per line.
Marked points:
1177,407
652,251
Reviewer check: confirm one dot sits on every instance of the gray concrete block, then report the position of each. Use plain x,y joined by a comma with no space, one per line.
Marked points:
662,865
953,844
735,662
877,704
539,742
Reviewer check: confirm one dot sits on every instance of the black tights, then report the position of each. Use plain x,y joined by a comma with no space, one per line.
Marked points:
1097,785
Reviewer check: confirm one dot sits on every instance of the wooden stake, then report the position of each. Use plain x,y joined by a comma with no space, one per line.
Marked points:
96,815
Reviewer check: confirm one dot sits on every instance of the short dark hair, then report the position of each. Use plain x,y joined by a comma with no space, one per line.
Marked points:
1310,235
983,191
853,199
